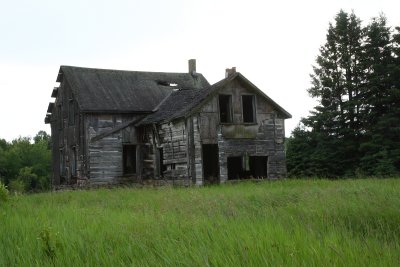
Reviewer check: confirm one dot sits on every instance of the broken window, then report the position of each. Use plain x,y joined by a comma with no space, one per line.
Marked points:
235,168
249,111
225,108
129,159
247,167
258,166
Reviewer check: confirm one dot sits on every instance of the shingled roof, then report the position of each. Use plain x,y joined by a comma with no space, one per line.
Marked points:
177,105
183,103
105,90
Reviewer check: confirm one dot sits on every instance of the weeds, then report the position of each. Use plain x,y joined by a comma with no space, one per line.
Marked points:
50,243
3,193
282,223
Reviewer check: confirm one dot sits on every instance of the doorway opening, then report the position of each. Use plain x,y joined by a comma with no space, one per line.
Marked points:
129,159
210,163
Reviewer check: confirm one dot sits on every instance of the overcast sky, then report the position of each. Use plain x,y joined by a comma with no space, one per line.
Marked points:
273,43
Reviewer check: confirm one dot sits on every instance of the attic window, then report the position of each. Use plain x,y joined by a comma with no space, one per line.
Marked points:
165,83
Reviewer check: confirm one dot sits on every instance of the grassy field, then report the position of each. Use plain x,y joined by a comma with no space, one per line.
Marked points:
282,223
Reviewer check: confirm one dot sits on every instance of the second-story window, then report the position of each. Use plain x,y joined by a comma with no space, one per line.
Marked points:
225,108
249,109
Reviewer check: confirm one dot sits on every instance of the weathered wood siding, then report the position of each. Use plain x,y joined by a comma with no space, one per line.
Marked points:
172,139
101,161
66,130
263,138
105,156
174,142
197,142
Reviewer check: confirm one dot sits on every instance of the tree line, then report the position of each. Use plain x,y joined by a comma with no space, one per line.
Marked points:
25,163
355,128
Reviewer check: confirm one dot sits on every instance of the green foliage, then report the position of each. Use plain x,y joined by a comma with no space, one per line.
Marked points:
50,243
3,193
281,223
356,126
17,186
29,163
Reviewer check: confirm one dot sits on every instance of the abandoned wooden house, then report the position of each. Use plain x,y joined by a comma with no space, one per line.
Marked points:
112,126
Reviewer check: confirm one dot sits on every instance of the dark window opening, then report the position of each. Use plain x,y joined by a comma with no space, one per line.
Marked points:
225,108
249,114
247,167
129,159
235,169
210,163
258,166
71,113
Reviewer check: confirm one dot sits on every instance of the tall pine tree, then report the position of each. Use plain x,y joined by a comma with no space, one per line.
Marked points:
378,117
356,126
336,81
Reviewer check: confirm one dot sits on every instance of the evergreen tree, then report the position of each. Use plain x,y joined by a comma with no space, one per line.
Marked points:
356,126
379,116
335,83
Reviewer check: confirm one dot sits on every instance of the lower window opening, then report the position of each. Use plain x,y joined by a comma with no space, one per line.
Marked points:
253,167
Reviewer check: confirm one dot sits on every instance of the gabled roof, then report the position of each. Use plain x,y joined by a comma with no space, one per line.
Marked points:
104,90
184,103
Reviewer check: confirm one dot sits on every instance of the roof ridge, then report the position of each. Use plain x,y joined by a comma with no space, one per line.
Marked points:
123,70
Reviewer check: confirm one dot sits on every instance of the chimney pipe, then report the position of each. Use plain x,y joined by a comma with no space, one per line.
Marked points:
192,66
230,72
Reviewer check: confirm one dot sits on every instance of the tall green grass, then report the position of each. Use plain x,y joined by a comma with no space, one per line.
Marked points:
282,223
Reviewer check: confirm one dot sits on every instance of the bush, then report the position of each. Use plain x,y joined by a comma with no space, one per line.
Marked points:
3,193
28,178
17,186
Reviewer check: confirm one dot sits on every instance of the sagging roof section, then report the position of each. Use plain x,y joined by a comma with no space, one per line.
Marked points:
104,90
184,103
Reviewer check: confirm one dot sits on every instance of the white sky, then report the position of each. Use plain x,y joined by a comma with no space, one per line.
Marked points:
273,43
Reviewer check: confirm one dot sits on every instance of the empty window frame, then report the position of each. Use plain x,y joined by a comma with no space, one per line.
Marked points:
225,108
249,108
129,159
